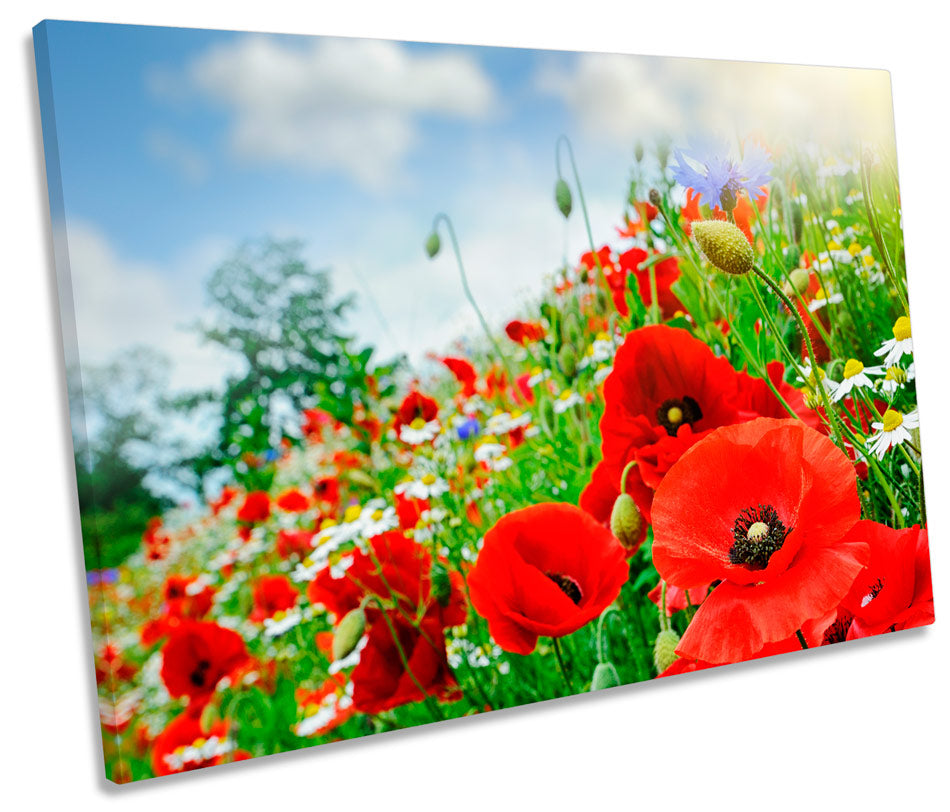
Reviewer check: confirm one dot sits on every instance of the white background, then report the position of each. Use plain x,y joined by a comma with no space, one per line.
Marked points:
862,725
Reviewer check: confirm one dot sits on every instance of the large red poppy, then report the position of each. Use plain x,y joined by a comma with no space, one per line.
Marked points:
666,392
895,590
763,508
415,406
400,658
547,569
464,373
196,657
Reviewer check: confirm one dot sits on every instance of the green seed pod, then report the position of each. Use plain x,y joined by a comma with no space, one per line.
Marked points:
360,477
210,716
605,676
548,418
664,650
570,328
562,196
567,361
349,631
440,584
603,301
626,523
799,280
724,246
433,244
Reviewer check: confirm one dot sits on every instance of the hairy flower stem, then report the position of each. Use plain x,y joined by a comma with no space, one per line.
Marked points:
829,412
561,667
878,237
580,194
442,217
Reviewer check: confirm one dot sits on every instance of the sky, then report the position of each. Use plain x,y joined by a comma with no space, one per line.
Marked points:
176,145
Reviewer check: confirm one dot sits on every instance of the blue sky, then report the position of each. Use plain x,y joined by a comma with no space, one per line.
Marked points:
177,144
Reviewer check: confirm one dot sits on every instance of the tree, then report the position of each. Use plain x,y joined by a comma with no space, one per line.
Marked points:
279,316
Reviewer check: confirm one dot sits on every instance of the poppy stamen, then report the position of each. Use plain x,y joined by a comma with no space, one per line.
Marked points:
674,412
758,533
567,585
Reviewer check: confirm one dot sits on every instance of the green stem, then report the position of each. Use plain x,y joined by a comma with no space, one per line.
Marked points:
441,216
801,638
580,194
561,667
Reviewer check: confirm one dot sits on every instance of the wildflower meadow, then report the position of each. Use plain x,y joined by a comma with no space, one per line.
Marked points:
698,445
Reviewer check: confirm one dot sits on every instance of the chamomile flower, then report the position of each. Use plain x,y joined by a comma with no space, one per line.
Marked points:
823,299
505,422
602,372
427,486
900,345
565,400
281,622
538,375
895,378
351,659
855,376
419,431
492,456
893,429
199,751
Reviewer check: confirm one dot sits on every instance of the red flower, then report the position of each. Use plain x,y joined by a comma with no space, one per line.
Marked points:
224,499
416,406
326,490
182,600
272,594
762,507
197,656
294,542
390,674
323,707
895,590
547,569
185,745
524,332
464,373
666,391
690,211
293,501
256,508
666,273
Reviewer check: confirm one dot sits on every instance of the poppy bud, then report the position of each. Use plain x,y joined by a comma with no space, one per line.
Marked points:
567,360
664,650
360,477
793,256
433,244
603,301
210,716
655,198
798,280
349,631
571,329
605,676
562,196
547,414
626,523
724,246
798,222
440,584
638,151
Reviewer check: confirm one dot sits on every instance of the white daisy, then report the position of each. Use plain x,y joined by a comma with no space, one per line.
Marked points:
350,659
492,455
893,429
281,622
895,378
419,431
565,400
855,376
505,422
900,345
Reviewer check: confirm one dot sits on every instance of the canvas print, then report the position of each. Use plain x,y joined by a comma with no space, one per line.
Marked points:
414,381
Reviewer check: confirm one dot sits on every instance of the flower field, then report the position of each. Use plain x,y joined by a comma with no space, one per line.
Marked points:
698,446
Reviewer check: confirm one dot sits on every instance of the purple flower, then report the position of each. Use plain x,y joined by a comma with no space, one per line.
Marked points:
720,178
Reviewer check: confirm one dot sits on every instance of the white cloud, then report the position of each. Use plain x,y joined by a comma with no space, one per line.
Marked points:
623,97
335,104
121,302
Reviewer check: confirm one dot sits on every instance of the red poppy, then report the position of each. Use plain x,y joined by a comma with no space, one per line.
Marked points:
224,499
416,406
895,590
294,542
690,211
272,594
197,655
184,597
524,332
547,569
256,508
293,501
326,490
395,568
185,745
314,421
324,708
666,272
464,373
762,507
399,658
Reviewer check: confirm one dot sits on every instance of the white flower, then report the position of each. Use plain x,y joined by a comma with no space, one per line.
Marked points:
319,716
565,400
892,430
418,431
900,345
602,372
492,455
809,379
280,623
538,375
200,750
425,487
822,299
855,376
505,422
895,378
350,659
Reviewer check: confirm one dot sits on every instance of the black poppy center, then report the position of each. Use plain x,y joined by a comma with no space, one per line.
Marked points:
200,674
674,412
567,585
758,533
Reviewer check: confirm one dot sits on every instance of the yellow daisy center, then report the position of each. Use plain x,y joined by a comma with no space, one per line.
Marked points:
417,424
892,420
428,479
853,367
902,328
352,513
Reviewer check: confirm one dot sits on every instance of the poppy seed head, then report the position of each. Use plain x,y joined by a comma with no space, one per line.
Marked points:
724,245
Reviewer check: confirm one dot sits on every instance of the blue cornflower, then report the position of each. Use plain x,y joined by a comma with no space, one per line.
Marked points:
468,429
721,178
